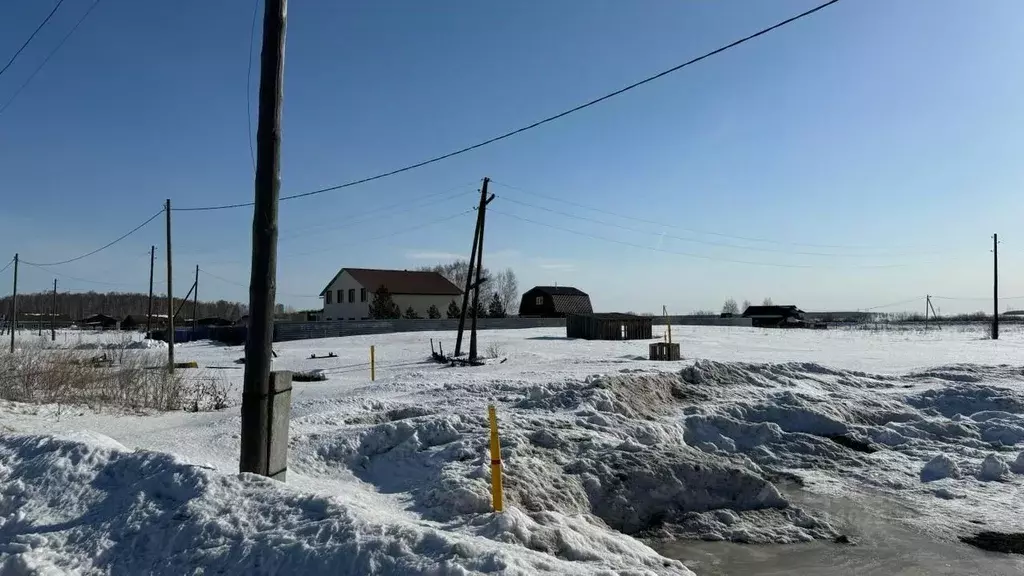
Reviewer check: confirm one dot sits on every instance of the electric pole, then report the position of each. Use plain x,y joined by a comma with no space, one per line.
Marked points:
469,272
195,305
262,282
53,314
995,286
149,308
170,294
14,304
479,268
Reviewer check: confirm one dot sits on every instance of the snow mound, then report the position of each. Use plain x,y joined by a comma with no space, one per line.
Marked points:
146,344
68,507
1017,467
993,469
940,467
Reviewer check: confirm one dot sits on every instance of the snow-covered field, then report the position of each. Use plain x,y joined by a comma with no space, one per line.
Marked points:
604,453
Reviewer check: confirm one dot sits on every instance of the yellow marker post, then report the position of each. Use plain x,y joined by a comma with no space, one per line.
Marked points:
373,365
496,492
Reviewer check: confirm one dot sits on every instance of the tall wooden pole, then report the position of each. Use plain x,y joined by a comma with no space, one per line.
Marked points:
53,314
469,273
14,304
995,286
195,305
262,289
479,266
149,308
170,293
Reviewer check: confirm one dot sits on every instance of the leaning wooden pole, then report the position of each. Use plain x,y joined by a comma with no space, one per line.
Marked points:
469,273
256,415
479,267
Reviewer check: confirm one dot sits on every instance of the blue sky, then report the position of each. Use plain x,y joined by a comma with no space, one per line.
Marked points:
881,136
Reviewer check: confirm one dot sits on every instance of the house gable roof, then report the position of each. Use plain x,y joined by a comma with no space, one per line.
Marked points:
399,281
771,311
559,290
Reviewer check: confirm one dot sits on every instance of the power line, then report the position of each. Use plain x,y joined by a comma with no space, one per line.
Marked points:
36,31
48,56
246,286
684,229
978,298
4,269
893,304
538,123
76,279
687,254
98,250
695,240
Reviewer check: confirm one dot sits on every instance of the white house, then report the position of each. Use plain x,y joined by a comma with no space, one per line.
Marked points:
349,294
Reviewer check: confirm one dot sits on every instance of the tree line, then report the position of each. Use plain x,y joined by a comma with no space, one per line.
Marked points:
79,305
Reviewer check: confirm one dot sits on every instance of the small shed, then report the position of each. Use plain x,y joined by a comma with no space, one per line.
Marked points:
554,302
98,321
609,326
774,316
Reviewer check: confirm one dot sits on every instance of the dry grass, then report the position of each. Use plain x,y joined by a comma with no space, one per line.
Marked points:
118,378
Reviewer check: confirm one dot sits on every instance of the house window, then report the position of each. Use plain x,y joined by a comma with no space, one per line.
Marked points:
351,295
341,296
540,300
327,299
362,294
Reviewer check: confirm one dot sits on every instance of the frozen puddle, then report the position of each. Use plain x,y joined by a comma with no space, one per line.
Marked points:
884,546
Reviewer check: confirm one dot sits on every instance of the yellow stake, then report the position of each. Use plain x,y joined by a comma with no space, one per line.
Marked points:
373,366
496,492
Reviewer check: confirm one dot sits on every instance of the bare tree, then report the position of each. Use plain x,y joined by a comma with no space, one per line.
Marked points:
506,286
746,304
767,302
730,307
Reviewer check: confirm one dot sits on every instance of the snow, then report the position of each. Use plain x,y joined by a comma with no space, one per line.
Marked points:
603,451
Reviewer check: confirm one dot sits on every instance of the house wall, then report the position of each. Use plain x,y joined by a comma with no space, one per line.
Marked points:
529,305
343,311
421,303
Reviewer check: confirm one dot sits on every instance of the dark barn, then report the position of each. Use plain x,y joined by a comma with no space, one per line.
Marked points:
554,302
608,326
774,316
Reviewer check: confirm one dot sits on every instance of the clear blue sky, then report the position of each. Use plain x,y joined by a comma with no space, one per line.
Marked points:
890,126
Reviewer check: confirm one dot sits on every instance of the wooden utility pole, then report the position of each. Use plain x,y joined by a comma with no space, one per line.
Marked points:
53,314
995,286
195,305
469,271
255,453
149,308
13,324
479,268
170,293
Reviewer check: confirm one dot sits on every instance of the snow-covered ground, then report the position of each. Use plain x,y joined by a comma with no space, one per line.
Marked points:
603,451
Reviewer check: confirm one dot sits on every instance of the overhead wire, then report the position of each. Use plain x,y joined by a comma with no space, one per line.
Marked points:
4,269
893,304
694,240
685,229
100,249
246,286
538,123
49,56
45,267
680,253
33,35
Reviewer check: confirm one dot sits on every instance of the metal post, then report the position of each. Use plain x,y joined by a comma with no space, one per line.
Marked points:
995,286
53,314
14,304
170,293
149,308
373,362
195,305
262,290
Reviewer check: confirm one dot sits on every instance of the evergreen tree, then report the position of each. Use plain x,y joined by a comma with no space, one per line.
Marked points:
472,311
496,309
433,313
383,306
453,310
410,314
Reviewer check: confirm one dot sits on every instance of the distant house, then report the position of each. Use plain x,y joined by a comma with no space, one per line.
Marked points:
774,316
554,302
349,294
608,326
98,321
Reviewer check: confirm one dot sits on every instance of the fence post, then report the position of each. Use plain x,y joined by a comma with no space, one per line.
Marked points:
373,364
497,497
